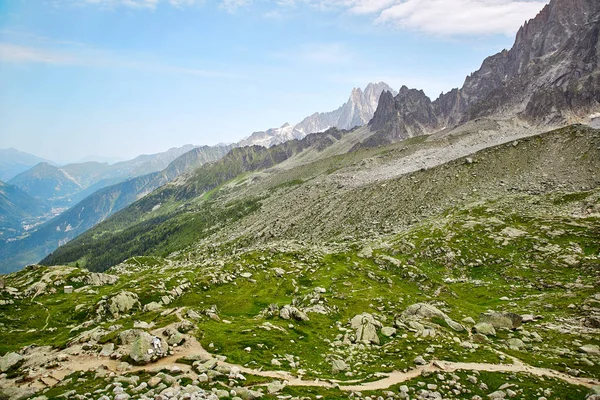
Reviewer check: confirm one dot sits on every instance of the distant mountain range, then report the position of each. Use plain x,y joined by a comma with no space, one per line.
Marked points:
36,243
357,111
13,162
66,185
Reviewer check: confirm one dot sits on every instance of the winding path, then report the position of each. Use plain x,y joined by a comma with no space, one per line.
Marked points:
193,348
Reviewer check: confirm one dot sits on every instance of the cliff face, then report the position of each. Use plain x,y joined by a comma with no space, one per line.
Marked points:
550,76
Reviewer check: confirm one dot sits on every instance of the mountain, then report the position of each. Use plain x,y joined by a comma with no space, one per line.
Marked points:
68,184
550,77
97,207
357,111
13,162
17,208
47,182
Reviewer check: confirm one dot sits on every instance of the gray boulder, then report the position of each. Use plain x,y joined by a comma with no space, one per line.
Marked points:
123,303
365,326
485,328
501,320
338,366
142,350
9,360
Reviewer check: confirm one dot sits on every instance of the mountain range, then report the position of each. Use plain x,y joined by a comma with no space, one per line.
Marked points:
357,111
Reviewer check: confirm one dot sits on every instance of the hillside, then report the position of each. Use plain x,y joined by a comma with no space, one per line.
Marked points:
95,208
476,275
18,209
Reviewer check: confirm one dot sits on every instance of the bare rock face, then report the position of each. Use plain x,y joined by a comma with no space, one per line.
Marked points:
549,77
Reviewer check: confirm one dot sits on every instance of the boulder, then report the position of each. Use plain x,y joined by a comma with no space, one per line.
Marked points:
590,349
365,326
338,366
485,328
10,360
142,350
99,279
501,320
388,331
423,311
152,306
289,312
515,344
420,311
123,303
275,387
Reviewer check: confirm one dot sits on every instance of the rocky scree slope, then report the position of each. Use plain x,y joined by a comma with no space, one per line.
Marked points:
549,77
319,201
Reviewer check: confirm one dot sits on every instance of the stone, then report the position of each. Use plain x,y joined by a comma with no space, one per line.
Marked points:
142,350
590,349
423,311
152,306
191,314
99,279
419,360
68,289
469,321
9,360
485,328
515,344
501,320
275,387
338,366
107,349
365,326
123,303
388,331
497,395
175,338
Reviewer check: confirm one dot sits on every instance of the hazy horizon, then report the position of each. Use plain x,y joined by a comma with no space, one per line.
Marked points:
119,78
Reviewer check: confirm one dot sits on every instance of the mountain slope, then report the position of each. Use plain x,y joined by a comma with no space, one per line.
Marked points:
47,182
357,111
318,201
549,77
17,208
13,162
97,207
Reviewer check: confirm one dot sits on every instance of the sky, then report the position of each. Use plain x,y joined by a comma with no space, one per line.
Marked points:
119,78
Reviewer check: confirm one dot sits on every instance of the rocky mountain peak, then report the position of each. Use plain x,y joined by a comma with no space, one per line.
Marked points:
550,76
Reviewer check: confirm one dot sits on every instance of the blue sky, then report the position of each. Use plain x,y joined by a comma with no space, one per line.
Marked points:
118,78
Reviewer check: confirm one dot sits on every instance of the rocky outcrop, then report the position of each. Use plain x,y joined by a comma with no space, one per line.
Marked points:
549,77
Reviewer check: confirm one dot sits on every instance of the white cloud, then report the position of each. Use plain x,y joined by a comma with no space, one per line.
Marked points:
22,54
232,6
461,17
442,17
89,57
